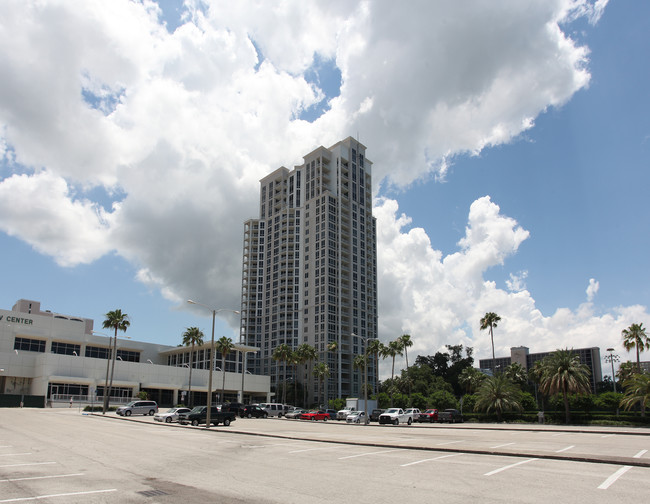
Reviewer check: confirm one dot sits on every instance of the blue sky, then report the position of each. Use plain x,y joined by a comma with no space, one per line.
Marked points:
514,194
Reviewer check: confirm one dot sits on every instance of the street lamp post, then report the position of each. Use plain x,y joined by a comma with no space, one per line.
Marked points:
612,358
214,314
365,377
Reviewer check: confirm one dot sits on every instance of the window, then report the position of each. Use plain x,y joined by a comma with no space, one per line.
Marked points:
65,348
29,345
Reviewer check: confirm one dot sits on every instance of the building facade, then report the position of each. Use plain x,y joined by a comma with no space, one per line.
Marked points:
310,269
588,356
59,357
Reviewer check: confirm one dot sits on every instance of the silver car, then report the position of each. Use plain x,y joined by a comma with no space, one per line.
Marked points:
138,408
171,415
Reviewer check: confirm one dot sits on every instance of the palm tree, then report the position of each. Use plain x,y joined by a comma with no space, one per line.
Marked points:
471,378
282,353
192,336
490,320
360,362
307,354
321,371
224,346
637,391
498,394
405,340
119,321
393,349
516,373
635,337
562,372
376,348
333,347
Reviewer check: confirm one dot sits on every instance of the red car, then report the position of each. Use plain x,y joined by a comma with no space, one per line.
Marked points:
430,415
315,415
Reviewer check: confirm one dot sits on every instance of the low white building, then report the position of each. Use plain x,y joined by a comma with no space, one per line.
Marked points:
48,358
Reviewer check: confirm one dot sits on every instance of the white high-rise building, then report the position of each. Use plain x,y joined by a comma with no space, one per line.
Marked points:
310,269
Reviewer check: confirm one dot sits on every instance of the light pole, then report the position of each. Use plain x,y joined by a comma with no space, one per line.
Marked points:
612,358
365,377
214,314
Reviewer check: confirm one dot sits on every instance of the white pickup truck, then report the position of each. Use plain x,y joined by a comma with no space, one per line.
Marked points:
395,416
343,414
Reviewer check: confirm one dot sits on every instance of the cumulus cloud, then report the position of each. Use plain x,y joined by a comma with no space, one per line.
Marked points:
179,127
592,289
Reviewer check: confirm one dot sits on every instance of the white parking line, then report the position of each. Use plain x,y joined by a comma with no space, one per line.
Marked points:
559,434
27,464
38,497
607,435
364,454
609,481
450,442
509,467
565,449
40,477
13,454
500,446
315,449
431,459
640,454
6,446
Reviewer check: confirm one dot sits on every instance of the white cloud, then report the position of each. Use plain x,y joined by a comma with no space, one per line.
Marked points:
98,94
592,289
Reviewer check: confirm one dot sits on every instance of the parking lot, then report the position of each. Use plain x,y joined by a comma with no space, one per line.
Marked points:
65,456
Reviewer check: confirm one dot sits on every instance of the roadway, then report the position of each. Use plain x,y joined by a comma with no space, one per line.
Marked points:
59,455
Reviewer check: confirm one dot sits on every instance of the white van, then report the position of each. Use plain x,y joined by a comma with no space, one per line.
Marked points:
273,409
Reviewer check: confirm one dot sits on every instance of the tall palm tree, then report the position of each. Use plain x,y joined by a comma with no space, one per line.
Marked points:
192,336
637,391
307,354
224,346
490,320
360,362
375,348
498,394
332,347
563,373
282,353
120,322
321,372
392,350
405,340
636,337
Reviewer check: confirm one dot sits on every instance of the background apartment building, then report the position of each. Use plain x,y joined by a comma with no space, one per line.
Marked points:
310,268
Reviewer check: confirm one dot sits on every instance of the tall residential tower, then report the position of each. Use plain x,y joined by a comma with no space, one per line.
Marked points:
310,269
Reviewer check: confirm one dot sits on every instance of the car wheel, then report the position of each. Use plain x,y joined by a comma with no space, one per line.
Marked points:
266,415
226,422
151,413
325,419
249,415
396,421
410,421
127,413
168,419
313,419
195,422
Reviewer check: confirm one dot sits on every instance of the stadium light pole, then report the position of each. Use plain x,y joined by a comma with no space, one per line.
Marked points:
214,314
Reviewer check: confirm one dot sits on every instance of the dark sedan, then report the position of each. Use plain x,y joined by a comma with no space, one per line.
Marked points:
253,411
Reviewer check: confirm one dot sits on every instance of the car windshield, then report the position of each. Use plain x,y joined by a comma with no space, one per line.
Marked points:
172,410
197,409
392,410
132,403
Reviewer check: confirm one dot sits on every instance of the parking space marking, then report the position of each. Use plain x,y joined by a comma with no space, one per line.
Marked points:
431,459
27,464
40,477
505,468
450,442
70,494
607,435
500,446
13,454
6,446
559,434
640,454
367,453
610,481
315,449
565,449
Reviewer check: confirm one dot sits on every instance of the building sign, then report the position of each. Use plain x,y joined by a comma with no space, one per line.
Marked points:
17,320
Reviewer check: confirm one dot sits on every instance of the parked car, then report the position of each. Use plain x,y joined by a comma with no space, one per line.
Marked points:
430,415
253,410
315,415
343,414
356,417
374,416
395,416
273,409
450,416
332,413
199,414
293,414
138,408
171,415
235,407
414,412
